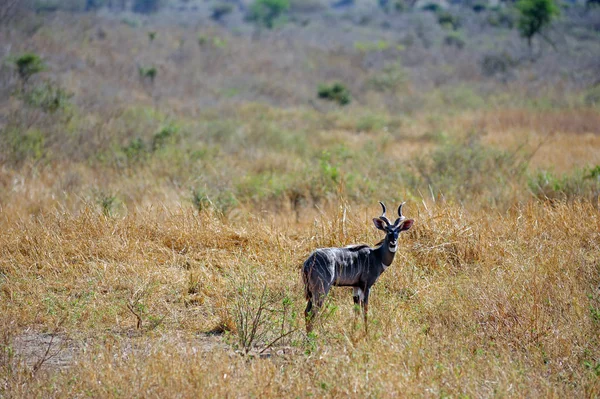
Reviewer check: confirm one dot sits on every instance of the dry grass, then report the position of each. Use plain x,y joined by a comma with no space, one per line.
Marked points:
476,304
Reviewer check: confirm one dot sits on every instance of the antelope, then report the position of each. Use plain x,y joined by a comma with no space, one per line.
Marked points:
357,266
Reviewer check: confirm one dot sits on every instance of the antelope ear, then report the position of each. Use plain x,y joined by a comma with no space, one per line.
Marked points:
380,224
407,224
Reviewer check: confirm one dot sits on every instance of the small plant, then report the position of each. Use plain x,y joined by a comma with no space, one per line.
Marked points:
107,202
268,13
262,318
448,20
28,65
200,200
534,17
48,96
146,6
336,92
502,18
479,6
151,36
390,79
23,145
135,150
433,7
454,39
148,74
163,137
220,10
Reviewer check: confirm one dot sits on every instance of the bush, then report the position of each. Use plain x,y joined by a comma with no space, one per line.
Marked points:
20,145
146,6
219,10
268,13
466,169
502,18
581,184
448,20
390,79
479,6
592,96
454,39
336,92
147,74
48,96
28,65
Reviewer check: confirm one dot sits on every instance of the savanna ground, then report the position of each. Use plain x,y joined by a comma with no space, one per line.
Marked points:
153,228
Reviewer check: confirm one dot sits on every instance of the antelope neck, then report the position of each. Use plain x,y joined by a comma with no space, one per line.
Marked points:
386,256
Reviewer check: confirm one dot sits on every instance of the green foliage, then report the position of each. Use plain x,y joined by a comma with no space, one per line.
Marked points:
219,10
336,92
268,13
136,150
592,96
22,145
151,36
106,202
219,200
433,7
367,47
466,169
534,16
502,18
163,137
479,6
146,6
48,96
28,64
448,20
391,78
147,74
454,39
582,183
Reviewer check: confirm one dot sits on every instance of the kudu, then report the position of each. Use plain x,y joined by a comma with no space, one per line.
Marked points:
357,266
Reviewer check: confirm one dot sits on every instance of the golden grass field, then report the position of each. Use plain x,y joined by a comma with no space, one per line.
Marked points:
131,269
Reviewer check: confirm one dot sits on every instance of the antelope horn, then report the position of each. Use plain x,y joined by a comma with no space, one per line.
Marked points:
382,217
400,211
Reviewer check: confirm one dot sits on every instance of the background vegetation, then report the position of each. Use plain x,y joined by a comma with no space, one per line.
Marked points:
166,166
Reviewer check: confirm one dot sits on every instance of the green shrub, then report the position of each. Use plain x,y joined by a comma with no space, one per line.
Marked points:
136,150
502,18
21,145
268,13
449,20
163,137
151,36
592,96
466,169
580,184
433,7
479,6
336,92
390,78
28,64
48,96
147,74
146,6
219,10
454,39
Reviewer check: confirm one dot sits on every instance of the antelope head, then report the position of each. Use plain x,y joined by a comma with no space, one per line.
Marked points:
392,230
